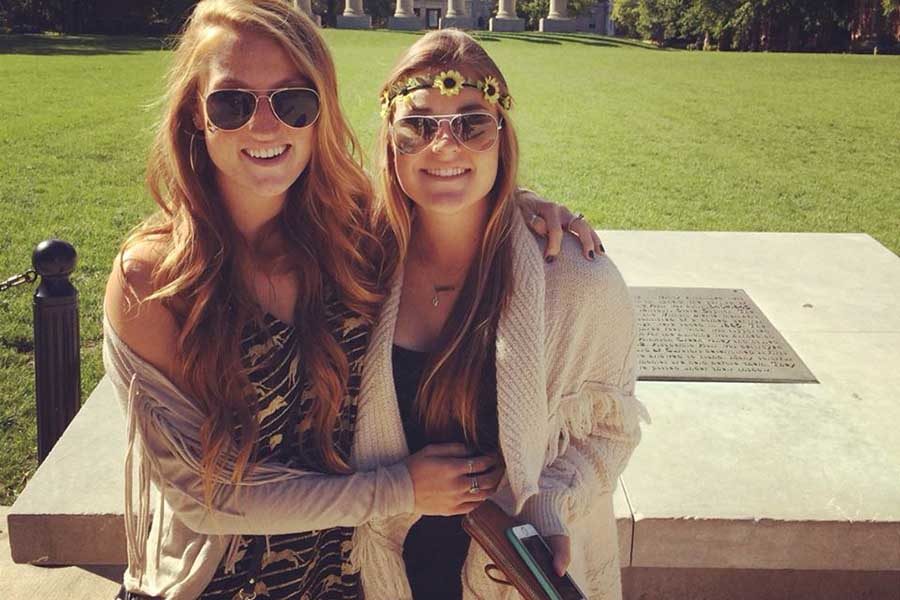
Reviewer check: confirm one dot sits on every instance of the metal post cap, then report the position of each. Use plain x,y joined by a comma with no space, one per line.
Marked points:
54,258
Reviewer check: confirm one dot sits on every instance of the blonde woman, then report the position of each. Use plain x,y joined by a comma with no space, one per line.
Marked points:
236,320
482,342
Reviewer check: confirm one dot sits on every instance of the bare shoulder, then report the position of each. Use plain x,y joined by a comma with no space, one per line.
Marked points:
146,326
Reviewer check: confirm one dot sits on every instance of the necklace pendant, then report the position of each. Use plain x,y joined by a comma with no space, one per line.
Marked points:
435,300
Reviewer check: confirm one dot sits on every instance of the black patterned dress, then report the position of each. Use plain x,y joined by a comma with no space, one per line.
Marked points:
310,565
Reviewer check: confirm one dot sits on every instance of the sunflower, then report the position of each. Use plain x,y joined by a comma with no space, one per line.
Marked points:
412,82
385,104
449,82
491,88
506,102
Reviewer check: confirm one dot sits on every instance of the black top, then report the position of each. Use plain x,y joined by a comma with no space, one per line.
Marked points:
436,547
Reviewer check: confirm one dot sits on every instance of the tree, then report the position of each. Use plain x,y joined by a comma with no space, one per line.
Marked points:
535,10
742,24
626,13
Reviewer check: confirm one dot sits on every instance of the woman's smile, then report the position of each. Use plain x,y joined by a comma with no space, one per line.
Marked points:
267,155
447,173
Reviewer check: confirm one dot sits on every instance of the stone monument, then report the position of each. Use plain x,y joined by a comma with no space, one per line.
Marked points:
456,16
404,17
354,16
506,19
557,20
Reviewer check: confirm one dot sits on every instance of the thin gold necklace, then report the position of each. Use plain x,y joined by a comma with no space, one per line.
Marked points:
437,290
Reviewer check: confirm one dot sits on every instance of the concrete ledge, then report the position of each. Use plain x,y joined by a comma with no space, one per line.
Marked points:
750,584
354,22
754,478
765,544
558,25
71,511
27,582
405,23
457,23
506,24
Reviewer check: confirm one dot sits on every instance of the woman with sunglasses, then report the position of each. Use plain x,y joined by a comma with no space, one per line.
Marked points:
482,342
236,320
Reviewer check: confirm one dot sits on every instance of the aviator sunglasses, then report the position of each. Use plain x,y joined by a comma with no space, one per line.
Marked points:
477,131
231,109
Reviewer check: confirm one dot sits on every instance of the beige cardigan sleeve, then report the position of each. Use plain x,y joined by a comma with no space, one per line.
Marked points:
163,443
591,358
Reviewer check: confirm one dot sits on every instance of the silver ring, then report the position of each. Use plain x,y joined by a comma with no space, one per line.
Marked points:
474,489
532,218
577,218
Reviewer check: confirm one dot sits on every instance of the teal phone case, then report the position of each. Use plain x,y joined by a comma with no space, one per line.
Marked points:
532,566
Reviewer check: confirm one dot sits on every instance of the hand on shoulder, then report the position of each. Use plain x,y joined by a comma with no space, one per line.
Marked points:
591,287
146,326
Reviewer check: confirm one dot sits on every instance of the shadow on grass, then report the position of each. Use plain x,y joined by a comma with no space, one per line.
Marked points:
78,45
587,39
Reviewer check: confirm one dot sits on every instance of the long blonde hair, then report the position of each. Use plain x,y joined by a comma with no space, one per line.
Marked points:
323,223
451,385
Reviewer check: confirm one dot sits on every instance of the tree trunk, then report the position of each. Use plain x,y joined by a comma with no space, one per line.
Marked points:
71,17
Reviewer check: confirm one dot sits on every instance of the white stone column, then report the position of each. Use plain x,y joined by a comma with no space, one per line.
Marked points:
557,19
558,9
454,9
405,17
456,16
506,19
306,7
506,9
354,16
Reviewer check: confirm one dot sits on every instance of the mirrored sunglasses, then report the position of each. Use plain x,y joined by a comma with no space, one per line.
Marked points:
232,109
476,131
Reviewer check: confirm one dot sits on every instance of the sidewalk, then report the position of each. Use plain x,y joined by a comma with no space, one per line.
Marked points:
27,582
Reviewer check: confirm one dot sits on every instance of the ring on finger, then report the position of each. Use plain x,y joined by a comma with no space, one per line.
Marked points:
474,489
577,218
533,218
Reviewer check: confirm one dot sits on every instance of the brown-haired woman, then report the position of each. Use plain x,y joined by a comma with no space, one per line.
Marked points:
482,342
236,320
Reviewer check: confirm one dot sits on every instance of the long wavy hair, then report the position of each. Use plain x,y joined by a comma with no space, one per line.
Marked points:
323,222
452,383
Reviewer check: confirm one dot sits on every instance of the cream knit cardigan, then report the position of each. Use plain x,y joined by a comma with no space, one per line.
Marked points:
568,418
568,423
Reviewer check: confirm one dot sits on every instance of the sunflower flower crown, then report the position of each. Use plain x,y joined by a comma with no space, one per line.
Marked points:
450,83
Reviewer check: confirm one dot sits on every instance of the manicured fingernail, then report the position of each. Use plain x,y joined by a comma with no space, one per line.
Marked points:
591,254
549,258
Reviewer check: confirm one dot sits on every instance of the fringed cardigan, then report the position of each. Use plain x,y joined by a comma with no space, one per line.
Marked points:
568,420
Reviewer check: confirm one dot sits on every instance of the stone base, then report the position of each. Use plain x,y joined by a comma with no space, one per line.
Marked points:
405,23
506,24
737,535
557,25
354,22
457,23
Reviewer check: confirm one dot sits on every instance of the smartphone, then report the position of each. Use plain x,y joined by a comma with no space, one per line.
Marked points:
539,558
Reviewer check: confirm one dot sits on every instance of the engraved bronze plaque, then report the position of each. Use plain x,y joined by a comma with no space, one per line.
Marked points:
708,334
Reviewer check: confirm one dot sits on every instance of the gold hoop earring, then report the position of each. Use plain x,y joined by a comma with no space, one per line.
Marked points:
191,153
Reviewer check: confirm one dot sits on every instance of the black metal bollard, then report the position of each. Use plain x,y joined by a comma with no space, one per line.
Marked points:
57,361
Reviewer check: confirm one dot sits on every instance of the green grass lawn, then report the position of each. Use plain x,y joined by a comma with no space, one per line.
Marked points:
634,137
